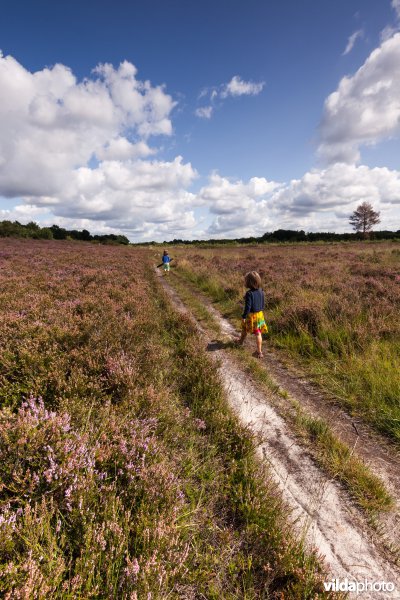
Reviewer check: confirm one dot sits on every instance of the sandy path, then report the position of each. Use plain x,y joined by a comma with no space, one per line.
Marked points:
321,511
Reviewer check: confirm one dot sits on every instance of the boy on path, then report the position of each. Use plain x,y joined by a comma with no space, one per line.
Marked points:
165,261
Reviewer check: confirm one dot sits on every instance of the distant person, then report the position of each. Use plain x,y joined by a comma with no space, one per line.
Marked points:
253,317
165,261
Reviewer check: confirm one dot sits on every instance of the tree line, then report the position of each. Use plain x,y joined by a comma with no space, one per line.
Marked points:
362,221
284,235
33,230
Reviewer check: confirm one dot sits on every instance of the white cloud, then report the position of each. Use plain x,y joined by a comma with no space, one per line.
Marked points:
333,192
120,148
204,112
338,185
140,105
130,196
321,200
23,213
52,124
352,40
223,196
78,153
365,108
238,87
240,207
77,150
396,7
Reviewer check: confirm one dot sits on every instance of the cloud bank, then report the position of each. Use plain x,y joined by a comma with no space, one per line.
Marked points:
83,154
322,199
81,149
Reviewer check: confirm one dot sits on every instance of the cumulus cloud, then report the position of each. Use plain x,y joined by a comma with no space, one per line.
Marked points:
365,108
339,185
396,7
131,196
324,198
80,153
120,148
352,40
223,195
321,200
22,213
80,149
52,124
240,207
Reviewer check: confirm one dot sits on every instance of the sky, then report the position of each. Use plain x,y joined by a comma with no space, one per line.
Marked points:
165,119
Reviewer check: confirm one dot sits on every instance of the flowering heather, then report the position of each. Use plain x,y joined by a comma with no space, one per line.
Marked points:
122,472
40,455
334,307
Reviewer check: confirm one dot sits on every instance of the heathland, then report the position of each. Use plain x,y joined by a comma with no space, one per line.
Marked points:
123,472
332,309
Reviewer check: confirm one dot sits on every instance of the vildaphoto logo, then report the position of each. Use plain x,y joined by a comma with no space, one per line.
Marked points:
344,585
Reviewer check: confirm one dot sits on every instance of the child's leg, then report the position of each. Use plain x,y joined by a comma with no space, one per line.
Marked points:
243,333
259,343
242,336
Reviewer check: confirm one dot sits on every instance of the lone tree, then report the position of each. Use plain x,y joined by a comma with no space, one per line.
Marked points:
364,218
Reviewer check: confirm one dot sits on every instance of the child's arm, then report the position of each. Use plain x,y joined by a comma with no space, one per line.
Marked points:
247,305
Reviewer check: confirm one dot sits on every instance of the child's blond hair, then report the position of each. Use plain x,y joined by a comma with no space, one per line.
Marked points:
252,280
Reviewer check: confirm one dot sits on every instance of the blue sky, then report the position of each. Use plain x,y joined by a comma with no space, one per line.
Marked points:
182,119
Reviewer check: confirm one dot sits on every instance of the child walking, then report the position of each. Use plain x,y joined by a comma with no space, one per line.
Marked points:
165,261
253,317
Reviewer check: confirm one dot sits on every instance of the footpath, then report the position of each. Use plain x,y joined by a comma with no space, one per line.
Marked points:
322,512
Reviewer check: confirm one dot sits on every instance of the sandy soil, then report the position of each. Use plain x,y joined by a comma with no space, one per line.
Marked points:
321,511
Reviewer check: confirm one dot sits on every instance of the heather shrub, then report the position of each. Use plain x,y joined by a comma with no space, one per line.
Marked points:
40,455
123,474
333,308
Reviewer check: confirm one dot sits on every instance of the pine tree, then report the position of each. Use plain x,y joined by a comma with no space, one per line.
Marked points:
364,218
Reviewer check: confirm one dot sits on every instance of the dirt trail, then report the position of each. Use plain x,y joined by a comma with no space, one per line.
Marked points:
320,509
375,450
